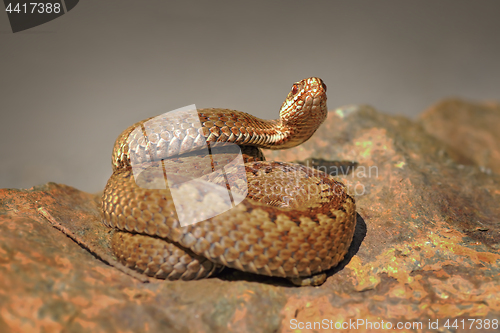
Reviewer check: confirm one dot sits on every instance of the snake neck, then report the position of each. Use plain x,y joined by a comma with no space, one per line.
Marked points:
301,114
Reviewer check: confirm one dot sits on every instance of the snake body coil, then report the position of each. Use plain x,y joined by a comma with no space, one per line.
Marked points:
295,221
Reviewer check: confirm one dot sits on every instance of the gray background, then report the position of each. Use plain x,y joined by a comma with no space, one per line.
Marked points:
70,86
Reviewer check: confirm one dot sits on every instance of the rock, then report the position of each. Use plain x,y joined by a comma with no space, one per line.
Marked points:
426,248
470,129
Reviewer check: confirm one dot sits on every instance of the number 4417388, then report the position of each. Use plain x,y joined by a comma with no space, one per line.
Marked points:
472,324
34,7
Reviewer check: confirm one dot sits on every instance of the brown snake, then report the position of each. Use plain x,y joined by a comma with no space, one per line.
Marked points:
295,222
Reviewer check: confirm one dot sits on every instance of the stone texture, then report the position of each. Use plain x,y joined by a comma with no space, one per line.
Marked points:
426,248
470,129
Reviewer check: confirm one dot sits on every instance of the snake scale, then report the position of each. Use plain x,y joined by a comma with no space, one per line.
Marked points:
295,222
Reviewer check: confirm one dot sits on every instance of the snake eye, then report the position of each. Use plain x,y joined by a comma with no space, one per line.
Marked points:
323,85
295,89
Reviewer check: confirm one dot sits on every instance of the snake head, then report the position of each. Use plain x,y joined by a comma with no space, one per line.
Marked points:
304,109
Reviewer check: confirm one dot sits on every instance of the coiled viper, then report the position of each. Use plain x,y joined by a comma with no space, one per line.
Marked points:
301,230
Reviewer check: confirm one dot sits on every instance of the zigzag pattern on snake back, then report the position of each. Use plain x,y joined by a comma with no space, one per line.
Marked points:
298,231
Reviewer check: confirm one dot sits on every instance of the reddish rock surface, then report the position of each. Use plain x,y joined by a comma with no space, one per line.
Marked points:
470,129
426,249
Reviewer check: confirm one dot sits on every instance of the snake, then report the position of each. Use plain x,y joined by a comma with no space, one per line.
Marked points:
291,221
